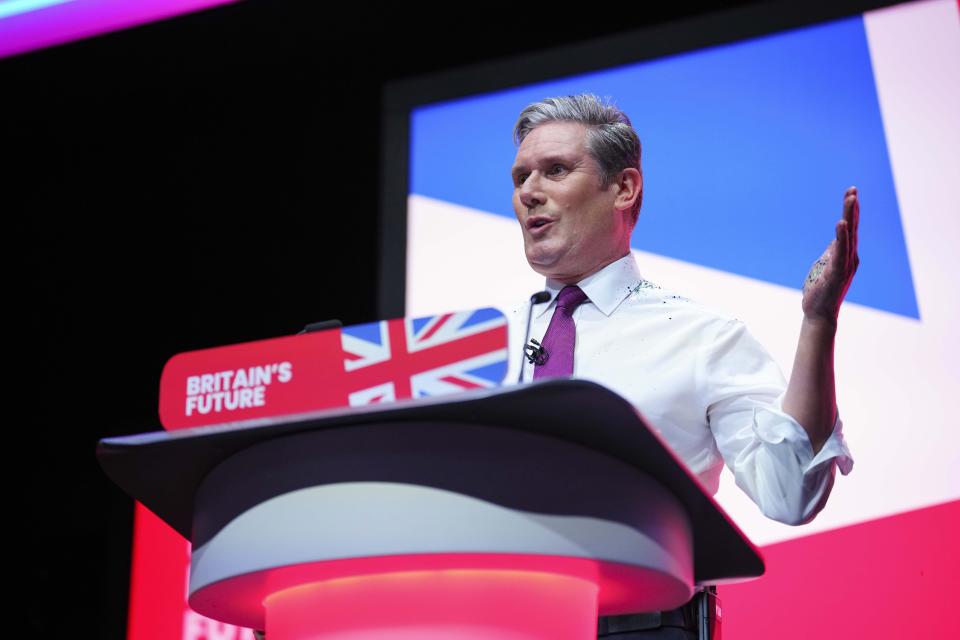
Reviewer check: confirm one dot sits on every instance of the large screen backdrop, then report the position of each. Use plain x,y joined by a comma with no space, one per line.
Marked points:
747,150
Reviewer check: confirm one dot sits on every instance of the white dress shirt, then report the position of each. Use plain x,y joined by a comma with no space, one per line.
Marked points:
710,390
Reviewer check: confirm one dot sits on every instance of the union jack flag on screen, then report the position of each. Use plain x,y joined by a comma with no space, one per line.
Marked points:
417,357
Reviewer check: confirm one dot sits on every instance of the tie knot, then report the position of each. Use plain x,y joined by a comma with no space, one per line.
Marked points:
570,298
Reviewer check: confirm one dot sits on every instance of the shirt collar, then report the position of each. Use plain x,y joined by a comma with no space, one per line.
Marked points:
606,288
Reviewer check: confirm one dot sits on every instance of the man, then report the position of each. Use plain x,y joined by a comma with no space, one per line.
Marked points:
702,381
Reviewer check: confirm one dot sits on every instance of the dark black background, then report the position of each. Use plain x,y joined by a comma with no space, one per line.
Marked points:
200,181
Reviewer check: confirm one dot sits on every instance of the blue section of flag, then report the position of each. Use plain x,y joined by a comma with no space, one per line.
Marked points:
482,315
420,323
369,332
748,149
495,372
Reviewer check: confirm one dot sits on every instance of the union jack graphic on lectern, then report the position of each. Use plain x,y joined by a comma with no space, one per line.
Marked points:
417,357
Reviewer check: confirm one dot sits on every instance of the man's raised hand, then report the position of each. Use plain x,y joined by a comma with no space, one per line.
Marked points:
831,275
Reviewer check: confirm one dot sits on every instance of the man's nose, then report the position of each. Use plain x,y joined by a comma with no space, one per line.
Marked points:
530,192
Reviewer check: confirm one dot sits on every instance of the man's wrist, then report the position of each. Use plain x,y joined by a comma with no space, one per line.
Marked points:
822,326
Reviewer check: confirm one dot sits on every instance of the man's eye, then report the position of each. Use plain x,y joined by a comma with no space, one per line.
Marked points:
557,168
521,178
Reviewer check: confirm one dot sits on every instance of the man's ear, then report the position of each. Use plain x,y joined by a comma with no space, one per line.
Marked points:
629,188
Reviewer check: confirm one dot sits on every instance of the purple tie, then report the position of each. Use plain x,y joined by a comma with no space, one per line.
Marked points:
561,336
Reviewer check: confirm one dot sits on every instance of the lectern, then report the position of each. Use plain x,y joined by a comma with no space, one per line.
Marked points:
518,512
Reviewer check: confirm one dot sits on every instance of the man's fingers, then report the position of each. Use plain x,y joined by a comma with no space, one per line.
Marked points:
843,243
855,227
849,204
851,213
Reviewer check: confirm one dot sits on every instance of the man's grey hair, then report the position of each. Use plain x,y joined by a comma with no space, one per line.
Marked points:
611,139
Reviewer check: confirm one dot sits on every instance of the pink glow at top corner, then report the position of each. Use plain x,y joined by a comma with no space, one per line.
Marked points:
37,25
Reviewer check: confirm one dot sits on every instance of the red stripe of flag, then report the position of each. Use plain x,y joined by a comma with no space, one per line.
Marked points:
439,323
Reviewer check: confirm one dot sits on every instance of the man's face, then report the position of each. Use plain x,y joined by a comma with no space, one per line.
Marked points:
571,228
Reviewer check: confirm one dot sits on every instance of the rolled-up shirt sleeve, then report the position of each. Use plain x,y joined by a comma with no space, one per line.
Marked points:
768,451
